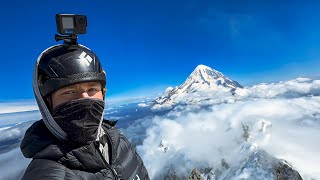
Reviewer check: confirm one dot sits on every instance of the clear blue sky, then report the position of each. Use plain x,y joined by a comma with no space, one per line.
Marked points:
148,45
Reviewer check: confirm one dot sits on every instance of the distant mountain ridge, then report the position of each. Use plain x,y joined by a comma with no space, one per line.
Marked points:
257,165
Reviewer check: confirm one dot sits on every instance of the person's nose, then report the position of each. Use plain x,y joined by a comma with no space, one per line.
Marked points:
83,95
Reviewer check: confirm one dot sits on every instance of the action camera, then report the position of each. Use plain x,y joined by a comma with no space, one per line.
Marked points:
68,24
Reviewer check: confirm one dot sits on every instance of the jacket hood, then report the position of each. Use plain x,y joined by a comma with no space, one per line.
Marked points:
36,138
48,120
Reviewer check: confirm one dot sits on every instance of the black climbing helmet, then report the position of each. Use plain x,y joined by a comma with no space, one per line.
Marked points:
65,65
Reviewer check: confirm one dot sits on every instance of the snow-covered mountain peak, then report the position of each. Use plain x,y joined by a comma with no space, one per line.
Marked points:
206,78
202,82
205,72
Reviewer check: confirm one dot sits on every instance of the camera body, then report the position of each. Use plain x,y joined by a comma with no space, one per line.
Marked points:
71,24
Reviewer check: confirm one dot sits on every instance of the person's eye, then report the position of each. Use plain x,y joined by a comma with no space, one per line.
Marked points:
93,89
68,92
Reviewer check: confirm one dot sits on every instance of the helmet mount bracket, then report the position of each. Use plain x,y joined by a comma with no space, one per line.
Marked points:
67,39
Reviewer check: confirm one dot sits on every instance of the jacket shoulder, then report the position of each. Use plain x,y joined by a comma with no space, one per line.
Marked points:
125,160
109,123
40,169
130,160
47,169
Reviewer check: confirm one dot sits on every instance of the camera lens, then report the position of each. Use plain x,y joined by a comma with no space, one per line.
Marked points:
81,21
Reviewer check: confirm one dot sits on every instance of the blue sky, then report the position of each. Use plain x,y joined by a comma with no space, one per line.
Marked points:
146,46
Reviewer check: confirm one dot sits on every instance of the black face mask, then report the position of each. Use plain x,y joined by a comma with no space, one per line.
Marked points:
80,119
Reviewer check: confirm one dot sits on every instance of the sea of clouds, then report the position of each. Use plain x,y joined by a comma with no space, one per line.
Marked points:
282,118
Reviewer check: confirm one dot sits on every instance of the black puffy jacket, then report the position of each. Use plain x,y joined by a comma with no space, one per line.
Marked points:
53,160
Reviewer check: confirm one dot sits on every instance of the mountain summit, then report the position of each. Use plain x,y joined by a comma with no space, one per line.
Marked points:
206,78
202,82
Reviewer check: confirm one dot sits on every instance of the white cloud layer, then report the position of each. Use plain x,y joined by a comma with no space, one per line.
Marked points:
13,164
11,107
18,117
288,89
283,119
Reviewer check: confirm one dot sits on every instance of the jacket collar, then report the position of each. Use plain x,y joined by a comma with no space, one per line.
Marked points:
39,143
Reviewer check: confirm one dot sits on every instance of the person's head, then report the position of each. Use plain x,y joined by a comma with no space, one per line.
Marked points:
69,85
65,66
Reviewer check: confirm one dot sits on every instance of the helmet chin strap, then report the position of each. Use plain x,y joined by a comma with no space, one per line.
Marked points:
48,101
100,129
